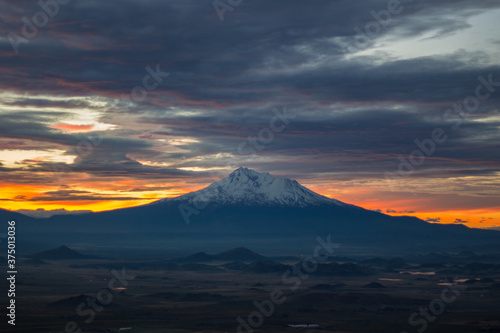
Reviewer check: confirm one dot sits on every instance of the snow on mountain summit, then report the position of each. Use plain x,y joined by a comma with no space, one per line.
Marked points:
246,186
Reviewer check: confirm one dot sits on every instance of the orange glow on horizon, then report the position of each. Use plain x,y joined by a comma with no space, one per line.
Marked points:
473,218
140,192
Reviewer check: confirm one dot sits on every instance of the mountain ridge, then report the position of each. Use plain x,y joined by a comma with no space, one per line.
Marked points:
247,186
258,211
61,253
240,254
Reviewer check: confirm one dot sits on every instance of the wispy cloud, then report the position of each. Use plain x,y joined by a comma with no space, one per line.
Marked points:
355,112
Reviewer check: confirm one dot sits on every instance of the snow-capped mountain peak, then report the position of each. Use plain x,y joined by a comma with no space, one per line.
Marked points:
249,187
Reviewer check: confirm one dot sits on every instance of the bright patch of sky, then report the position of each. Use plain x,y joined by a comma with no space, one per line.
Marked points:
480,37
88,114
16,158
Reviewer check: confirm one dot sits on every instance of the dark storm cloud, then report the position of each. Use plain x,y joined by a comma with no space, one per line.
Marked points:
151,188
368,141
44,103
248,58
31,126
352,115
72,195
95,152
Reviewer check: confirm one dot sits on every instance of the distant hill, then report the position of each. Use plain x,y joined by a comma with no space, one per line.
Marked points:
240,254
61,253
8,215
374,285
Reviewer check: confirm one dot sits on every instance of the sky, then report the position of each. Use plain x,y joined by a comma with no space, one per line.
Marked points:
388,105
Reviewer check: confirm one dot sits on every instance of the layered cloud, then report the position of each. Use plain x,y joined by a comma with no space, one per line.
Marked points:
132,101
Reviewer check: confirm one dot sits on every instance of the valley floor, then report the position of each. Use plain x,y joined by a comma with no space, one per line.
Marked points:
156,300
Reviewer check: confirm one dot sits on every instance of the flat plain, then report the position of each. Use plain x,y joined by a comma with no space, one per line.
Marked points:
164,295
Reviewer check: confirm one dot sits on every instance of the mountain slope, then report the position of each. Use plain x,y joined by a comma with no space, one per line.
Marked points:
245,186
238,254
61,253
258,211
7,215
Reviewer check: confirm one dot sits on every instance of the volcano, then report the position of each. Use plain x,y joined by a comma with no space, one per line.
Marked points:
248,187
259,211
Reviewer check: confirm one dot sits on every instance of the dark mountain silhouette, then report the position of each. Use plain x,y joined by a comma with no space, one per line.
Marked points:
239,254
259,211
61,253
374,285
7,215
